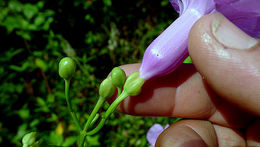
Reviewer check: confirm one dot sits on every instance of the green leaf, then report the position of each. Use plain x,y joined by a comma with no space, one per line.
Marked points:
46,25
3,13
34,123
24,113
12,53
12,23
164,3
40,19
67,48
25,35
107,2
15,5
21,132
187,60
43,105
69,141
41,101
41,64
20,68
40,4
53,118
93,140
30,10
55,139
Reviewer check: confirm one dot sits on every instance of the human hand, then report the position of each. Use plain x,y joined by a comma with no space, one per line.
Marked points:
219,95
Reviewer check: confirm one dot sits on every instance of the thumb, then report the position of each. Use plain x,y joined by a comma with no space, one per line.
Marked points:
228,59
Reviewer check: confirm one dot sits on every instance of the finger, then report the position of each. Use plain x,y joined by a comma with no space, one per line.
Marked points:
182,93
228,59
166,96
199,133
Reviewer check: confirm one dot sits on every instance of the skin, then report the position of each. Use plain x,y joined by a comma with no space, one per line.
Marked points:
219,98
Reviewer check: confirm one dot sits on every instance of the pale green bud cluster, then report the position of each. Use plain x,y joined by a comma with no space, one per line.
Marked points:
108,86
67,68
133,84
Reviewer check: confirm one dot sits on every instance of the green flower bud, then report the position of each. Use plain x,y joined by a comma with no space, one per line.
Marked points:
107,89
132,77
29,139
134,84
67,68
118,77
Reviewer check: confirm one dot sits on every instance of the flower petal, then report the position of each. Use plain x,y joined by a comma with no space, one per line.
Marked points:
169,49
181,5
166,126
243,13
177,5
153,133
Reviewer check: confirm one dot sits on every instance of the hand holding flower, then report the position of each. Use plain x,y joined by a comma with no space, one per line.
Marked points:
219,95
167,52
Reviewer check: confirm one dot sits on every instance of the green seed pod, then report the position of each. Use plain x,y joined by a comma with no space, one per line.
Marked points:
118,77
29,139
134,84
67,68
107,89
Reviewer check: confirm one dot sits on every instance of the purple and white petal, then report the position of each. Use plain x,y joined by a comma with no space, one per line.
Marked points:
153,133
169,49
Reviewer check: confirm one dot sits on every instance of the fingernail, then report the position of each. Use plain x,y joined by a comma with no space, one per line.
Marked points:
230,35
185,137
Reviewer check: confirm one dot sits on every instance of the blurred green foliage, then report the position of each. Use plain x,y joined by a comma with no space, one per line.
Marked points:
98,35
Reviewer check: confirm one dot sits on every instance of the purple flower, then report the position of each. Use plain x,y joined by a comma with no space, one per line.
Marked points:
169,49
243,13
154,132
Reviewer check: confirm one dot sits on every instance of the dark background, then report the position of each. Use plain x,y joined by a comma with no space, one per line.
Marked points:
99,35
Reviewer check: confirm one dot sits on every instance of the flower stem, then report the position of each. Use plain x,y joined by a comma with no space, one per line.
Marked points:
93,113
91,119
119,91
109,111
94,120
114,105
73,114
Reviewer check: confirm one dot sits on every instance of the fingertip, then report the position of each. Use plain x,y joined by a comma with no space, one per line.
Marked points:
231,70
188,133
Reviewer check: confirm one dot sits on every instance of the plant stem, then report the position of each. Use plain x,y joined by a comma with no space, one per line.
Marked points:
91,118
119,91
109,111
93,113
73,114
114,105
94,120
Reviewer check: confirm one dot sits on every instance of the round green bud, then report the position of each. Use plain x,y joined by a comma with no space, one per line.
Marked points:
29,139
67,68
106,88
134,84
118,77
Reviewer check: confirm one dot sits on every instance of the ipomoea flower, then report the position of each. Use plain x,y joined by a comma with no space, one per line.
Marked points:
169,49
154,132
